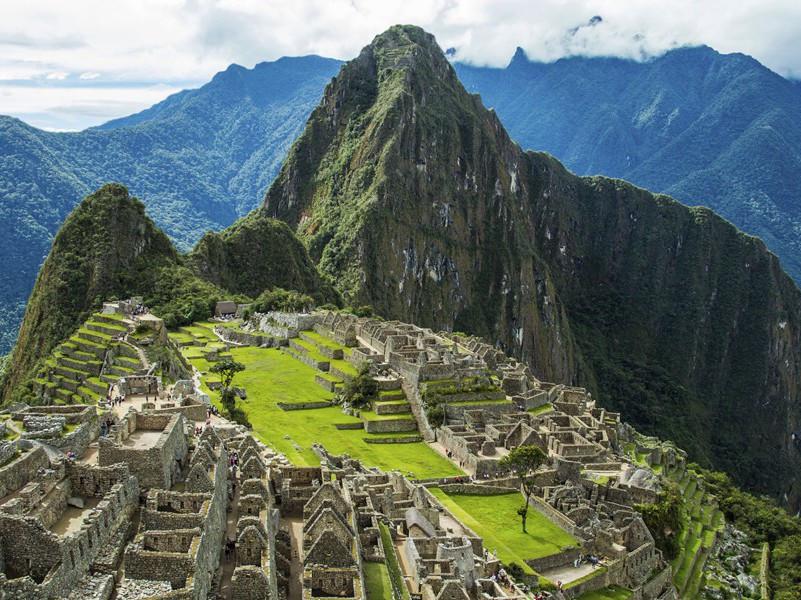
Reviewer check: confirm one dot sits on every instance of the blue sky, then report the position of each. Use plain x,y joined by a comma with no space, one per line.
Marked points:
70,65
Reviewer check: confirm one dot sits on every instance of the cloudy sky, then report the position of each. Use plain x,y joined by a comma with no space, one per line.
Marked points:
70,65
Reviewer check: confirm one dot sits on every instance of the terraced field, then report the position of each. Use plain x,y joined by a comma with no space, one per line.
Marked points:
275,376
702,520
78,371
495,519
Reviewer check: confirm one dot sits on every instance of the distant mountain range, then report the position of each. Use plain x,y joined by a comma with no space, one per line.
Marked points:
717,130
711,129
200,159
408,195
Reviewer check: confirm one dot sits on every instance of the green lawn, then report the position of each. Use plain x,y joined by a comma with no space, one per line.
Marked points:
495,519
611,593
273,376
541,408
376,581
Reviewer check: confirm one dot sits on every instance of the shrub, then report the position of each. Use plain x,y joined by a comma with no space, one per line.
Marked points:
435,415
361,390
279,299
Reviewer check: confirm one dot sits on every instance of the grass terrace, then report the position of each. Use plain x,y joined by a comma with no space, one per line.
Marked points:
273,376
495,519
322,340
613,592
376,581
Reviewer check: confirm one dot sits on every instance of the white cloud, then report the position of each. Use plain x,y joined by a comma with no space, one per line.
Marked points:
189,40
57,75
89,75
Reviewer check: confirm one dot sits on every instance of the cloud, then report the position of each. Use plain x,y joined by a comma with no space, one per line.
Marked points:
89,75
190,40
18,38
57,75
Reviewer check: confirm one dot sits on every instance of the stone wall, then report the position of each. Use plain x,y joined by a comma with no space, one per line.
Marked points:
555,517
58,563
16,474
390,425
245,338
297,321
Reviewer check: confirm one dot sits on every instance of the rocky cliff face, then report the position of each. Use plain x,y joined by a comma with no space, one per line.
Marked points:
412,197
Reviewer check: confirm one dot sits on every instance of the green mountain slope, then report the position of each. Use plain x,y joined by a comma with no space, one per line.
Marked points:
257,253
720,130
201,159
412,197
109,248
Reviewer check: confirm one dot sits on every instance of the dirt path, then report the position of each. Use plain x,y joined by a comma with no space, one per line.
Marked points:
295,525
229,563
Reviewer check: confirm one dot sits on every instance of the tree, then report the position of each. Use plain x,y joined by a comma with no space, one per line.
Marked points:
663,519
227,369
361,390
523,461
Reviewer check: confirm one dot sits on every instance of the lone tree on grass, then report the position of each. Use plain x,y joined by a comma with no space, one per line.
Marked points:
227,369
522,461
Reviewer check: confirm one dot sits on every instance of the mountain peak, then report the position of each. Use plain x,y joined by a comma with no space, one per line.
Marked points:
520,58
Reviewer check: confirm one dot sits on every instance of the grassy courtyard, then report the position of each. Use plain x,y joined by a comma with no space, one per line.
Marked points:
495,519
273,376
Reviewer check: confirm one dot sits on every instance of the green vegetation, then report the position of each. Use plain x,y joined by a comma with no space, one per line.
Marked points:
226,370
282,300
591,575
362,390
493,518
611,593
542,408
200,160
273,376
523,462
395,574
376,581
764,522
664,519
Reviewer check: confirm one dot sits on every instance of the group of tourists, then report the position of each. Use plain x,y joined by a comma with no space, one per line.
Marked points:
233,461
113,401
582,558
230,546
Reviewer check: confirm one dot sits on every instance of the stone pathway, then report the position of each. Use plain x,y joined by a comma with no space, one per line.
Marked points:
295,567
441,449
568,573
229,564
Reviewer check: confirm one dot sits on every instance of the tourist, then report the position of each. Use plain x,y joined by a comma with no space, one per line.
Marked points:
559,585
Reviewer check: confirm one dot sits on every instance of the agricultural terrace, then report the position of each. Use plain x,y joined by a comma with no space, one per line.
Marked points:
272,377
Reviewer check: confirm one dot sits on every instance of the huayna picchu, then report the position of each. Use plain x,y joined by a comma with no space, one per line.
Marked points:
430,366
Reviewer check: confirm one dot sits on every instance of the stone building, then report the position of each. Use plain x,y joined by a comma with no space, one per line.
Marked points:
61,523
153,445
